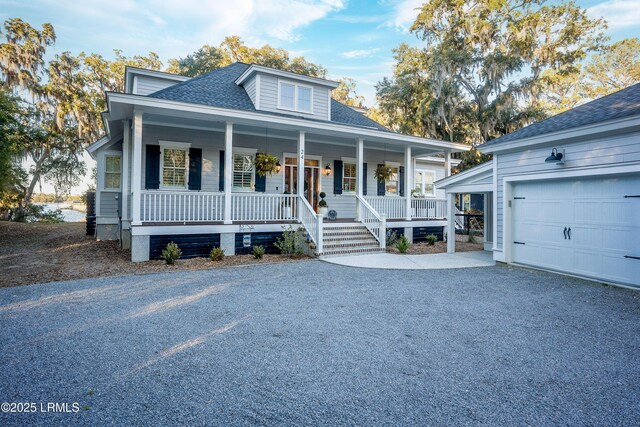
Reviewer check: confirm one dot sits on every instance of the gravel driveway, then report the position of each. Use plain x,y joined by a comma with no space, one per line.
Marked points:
311,343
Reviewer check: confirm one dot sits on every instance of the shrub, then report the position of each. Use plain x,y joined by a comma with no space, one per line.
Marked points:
403,244
392,237
171,253
323,194
216,254
258,251
431,239
472,238
38,213
291,243
322,203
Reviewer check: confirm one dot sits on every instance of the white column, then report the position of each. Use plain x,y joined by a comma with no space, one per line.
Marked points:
228,171
408,179
301,137
136,179
447,163
359,175
451,223
485,217
126,145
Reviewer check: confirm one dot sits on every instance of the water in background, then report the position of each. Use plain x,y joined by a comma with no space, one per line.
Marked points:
69,215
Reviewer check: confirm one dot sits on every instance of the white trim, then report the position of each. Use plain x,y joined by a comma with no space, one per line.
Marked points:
130,71
185,146
102,165
371,134
134,89
286,155
494,165
91,149
254,68
136,180
434,159
126,146
469,173
433,184
243,150
351,161
329,105
296,86
589,131
107,220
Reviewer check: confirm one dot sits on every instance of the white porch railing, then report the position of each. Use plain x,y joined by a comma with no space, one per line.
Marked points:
393,207
311,222
429,208
376,223
165,206
264,207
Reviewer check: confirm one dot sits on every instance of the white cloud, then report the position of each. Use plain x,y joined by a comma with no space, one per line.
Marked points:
363,53
618,13
404,12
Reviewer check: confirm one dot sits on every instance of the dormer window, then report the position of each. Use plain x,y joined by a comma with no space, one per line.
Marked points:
295,97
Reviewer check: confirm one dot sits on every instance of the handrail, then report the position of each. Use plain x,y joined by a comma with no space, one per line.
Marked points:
311,222
374,222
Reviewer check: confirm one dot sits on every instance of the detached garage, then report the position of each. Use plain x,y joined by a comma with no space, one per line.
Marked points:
567,191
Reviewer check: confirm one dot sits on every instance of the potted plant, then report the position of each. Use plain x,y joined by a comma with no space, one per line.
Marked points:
323,206
266,164
383,173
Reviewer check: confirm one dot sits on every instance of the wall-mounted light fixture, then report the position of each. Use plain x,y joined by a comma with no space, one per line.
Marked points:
278,166
555,157
327,170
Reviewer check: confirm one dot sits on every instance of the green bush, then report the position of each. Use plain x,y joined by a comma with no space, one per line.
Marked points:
431,239
171,253
258,251
403,244
392,237
216,254
38,213
292,242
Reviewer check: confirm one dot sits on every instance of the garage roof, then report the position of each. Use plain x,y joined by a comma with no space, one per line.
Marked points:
623,103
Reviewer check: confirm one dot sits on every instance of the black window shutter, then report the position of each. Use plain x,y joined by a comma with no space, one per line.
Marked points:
401,179
337,177
364,179
261,183
195,169
381,185
152,168
221,167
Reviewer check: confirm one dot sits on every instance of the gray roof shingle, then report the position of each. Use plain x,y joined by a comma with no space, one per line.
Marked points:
218,89
623,103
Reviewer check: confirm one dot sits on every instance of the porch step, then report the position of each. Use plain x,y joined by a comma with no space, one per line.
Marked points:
348,238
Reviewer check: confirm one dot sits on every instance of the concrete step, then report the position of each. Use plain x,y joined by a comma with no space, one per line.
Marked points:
364,251
351,245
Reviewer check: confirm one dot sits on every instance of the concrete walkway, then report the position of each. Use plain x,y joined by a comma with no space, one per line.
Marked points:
416,262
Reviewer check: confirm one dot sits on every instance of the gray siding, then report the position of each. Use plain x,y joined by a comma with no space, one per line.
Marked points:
250,87
269,97
108,204
439,170
145,85
593,152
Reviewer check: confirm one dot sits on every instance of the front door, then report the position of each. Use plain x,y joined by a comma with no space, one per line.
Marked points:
311,179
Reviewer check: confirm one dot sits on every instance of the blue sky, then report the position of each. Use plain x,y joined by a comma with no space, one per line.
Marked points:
352,38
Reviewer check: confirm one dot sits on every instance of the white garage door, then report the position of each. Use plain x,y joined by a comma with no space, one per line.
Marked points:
587,227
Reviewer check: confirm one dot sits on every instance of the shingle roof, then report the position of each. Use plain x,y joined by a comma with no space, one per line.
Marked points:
218,89
623,103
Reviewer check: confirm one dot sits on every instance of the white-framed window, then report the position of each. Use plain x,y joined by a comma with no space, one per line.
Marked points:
349,171
174,164
244,169
112,171
423,183
295,97
391,185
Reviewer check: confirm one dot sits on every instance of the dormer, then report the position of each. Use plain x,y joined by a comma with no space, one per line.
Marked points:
138,81
288,93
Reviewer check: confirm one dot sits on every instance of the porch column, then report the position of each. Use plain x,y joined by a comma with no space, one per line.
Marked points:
408,179
136,179
228,171
451,223
301,137
126,144
447,163
359,178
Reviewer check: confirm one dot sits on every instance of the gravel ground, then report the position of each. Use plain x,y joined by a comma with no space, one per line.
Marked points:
260,345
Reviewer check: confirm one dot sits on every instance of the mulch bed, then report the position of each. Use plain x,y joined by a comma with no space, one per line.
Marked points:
39,253
462,245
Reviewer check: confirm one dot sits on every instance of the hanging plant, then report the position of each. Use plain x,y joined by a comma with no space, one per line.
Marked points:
266,164
383,173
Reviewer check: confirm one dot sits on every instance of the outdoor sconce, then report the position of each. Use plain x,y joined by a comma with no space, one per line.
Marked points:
555,157
327,170
278,167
